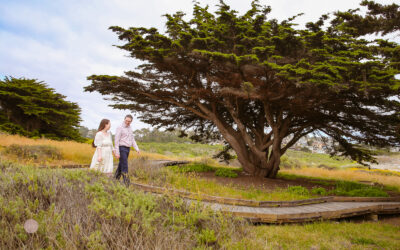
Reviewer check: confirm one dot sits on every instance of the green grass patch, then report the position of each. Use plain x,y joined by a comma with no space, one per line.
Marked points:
348,188
299,190
193,167
325,235
180,149
363,241
341,188
201,167
319,191
225,172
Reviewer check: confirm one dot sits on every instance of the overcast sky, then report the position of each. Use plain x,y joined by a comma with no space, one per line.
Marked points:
61,42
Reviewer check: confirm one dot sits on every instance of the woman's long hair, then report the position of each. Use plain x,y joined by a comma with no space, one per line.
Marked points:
102,125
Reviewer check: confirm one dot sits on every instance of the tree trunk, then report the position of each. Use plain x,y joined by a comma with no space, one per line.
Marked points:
253,163
256,164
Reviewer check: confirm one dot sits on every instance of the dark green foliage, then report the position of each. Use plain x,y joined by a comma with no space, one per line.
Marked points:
31,108
225,172
225,155
255,80
379,19
34,152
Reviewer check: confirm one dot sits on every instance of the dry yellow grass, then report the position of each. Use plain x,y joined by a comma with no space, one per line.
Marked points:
72,152
346,174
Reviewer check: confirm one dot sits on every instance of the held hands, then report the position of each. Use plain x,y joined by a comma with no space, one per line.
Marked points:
115,154
99,158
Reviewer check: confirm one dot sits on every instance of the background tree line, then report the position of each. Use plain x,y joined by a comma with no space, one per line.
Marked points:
30,108
145,135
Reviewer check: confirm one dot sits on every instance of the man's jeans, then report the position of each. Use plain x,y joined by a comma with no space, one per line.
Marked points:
123,162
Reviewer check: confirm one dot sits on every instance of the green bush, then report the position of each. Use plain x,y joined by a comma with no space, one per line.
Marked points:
225,172
319,191
299,190
34,152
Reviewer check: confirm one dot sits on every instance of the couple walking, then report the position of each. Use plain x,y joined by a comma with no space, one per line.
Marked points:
103,156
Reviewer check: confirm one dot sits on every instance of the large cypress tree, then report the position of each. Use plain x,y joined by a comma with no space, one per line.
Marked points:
256,81
31,108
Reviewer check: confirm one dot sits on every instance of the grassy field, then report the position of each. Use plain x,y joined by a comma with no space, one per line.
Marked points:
327,235
187,178
50,152
84,209
79,209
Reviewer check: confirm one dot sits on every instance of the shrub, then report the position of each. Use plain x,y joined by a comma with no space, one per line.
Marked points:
207,237
225,172
299,190
84,210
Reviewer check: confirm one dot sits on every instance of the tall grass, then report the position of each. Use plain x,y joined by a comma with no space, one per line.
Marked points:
71,151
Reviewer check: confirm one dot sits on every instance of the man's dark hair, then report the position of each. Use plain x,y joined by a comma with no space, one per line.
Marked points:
129,116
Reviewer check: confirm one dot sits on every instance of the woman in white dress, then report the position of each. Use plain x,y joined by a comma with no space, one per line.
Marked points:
103,156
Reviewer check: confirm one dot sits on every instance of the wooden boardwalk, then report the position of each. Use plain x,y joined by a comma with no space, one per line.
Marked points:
304,213
324,208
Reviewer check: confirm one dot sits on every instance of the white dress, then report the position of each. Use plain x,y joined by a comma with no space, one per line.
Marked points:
104,143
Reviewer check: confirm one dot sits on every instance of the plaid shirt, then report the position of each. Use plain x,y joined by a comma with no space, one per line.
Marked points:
124,137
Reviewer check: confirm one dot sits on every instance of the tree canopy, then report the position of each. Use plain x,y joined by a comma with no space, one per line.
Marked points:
31,108
383,19
255,80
